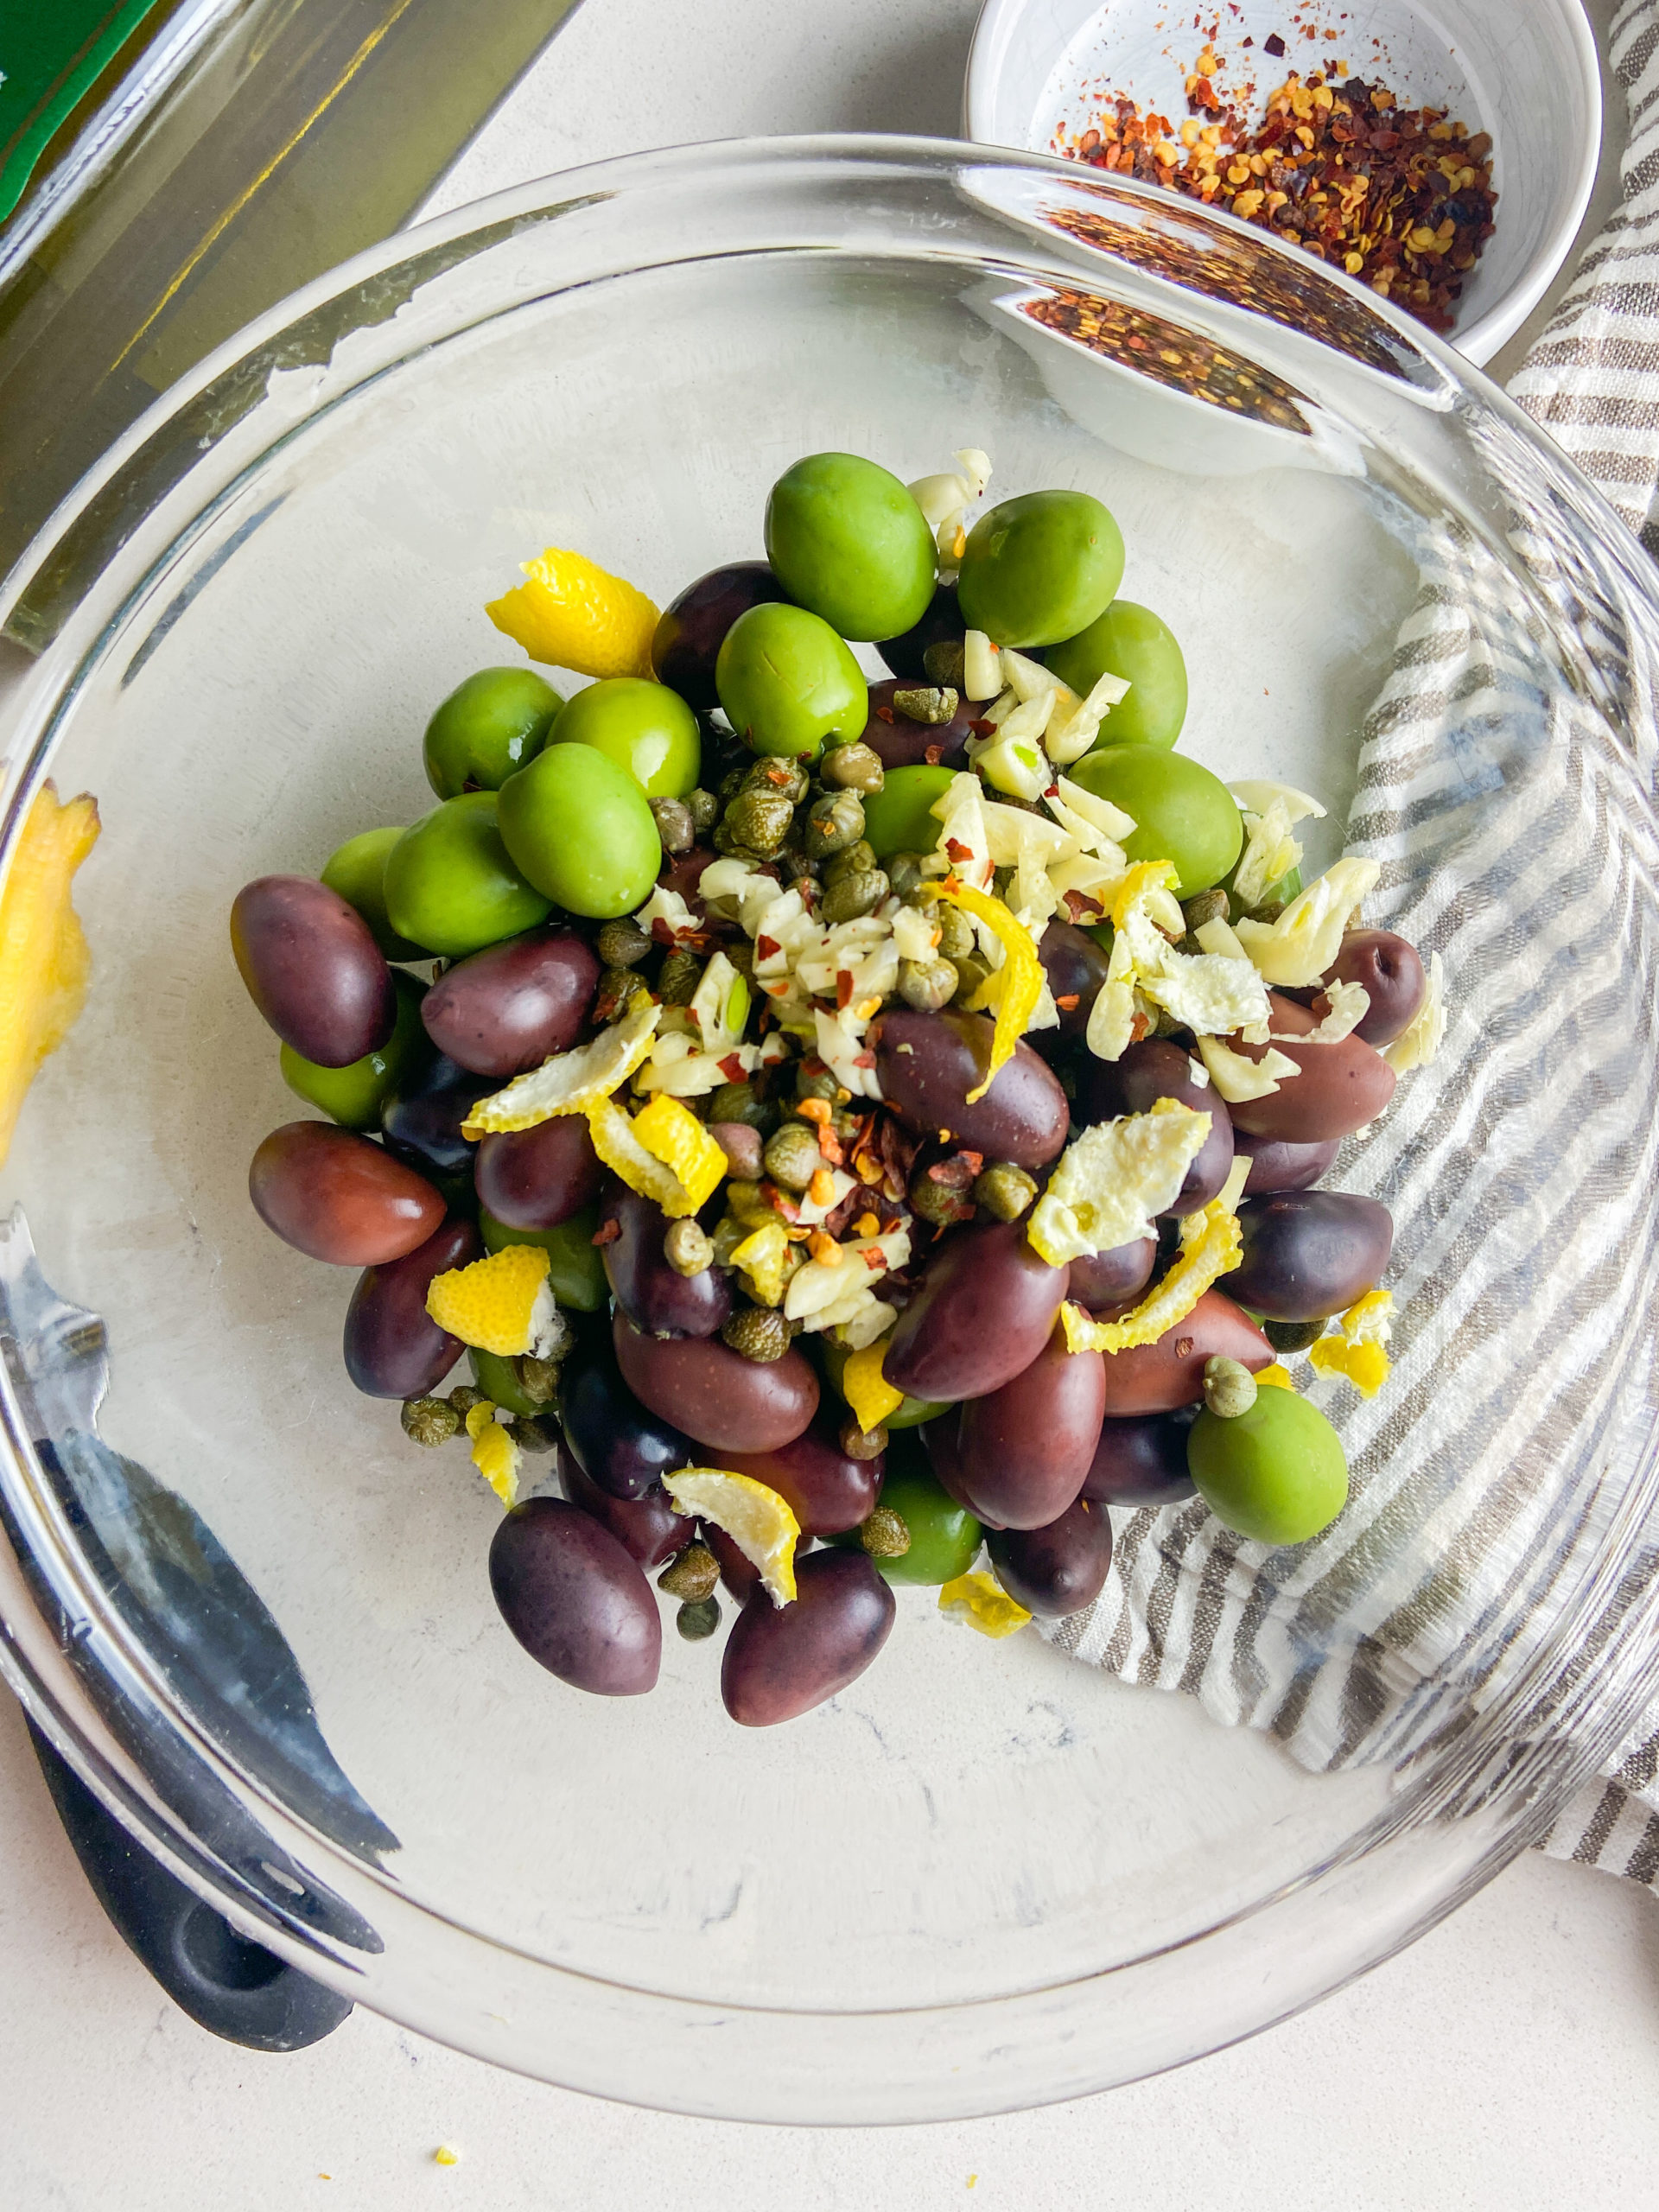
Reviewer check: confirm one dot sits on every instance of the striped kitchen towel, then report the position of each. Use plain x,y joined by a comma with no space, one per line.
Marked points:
1511,1168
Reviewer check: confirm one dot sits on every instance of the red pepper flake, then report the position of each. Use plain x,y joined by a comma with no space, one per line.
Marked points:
1139,1027
766,947
606,1233
864,1060
843,988
661,932
956,852
830,1146
1068,1003
1274,45
732,1067
1079,903
780,1202
884,714
932,754
875,1261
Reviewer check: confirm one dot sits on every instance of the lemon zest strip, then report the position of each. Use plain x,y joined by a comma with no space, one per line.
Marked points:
1022,971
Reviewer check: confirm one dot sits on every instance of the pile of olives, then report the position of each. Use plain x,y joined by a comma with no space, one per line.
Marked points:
553,821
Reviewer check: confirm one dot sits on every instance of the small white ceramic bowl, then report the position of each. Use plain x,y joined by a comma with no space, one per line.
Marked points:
1523,70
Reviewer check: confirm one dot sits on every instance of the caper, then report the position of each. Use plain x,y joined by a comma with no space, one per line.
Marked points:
792,1157
756,1332
957,937
622,944
834,822
943,662
690,1574
616,987
853,897
938,1201
699,1621
463,1398
971,972
730,784
1268,911
783,777
729,1233
886,1534
704,809
531,1434
933,704
674,824
430,1420
740,953
538,1378
1004,1190
855,858
815,1082
862,1443
679,977
927,984
736,1101
1291,1336
688,1249
1229,1387
759,822
904,874
854,768
1211,905
748,1202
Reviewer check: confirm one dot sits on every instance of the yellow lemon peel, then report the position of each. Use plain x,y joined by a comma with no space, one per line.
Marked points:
866,1390
1359,1352
572,613
763,1261
672,1134
1276,1378
978,1602
615,1141
1021,972
569,1083
44,962
496,1303
756,1519
495,1453
1144,876
1212,1245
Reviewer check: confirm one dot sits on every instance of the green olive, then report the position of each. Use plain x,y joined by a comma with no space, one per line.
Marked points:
1276,1473
845,538
450,885
357,873
581,828
787,681
487,728
944,1537
1039,569
575,1272
353,1095
497,1378
643,727
899,818
1181,812
1132,642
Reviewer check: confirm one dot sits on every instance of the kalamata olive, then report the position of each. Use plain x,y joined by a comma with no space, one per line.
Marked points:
1022,1451
313,968
714,1394
1142,1460
926,1064
1341,1087
1393,977
655,1296
1109,1278
826,1489
943,1439
985,1308
618,1443
335,1196
1076,968
1275,1166
901,743
420,1121
394,1349
1058,1569
647,1527
505,1009
780,1661
1133,1083
737,1571
536,1178
1308,1254
574,1600
1156,1378
942,623
683,874
692,628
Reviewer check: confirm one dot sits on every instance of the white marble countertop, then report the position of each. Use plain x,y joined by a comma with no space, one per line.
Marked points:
1509,2063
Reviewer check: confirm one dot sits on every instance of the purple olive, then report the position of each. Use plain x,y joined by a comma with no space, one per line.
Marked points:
780,1661
574,1600
941,625
826,1489
1106,1278
985,1308
926,1064
394,1349
655,1296
1141,1460
1308,1254
508,1008
1058,1569
420,1121
724,1401
692,629
1156,1378
1133,1083
538,1178
1022,1451
1393,980
313,968
737,1570
617,1442
647,1527
1076,968
1275,1166
1338,1088
336,1197
899,742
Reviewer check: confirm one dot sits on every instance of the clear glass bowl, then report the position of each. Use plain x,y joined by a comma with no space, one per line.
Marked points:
988,1874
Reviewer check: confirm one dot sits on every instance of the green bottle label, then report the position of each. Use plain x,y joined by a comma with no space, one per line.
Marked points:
48,57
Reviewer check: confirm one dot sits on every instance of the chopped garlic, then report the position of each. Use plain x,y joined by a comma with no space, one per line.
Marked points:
1113,1180
1348,1004
1297,948
840,1051
1417,1047
1029,678
1070,735
719,1006
1109,823
1016,763
1237,1078
982,675
1270,852
939,497
975,466
914,935
1217,936
668,908
1258,794
874,1317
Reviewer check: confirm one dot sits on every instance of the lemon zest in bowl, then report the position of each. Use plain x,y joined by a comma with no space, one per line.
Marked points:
621,1149
758,1521
866,1390
495,1453
1357,1352
44,962
500,1303
672,1134
1021,972
569,1083
977,1602
1212,1244
571,614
